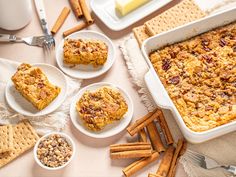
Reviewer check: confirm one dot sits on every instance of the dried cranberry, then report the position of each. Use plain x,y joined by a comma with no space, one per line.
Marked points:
222,42
166,64
174,80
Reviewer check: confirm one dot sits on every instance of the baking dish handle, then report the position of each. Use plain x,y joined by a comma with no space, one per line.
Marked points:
157,90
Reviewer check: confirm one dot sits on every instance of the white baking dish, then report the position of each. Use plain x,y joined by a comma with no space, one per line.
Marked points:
154,84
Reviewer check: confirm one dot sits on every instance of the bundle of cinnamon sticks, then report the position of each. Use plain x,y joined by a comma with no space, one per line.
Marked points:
130,150
80,9
150,146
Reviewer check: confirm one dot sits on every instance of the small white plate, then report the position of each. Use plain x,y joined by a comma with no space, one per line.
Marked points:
86,71
109,130
18,103
105,10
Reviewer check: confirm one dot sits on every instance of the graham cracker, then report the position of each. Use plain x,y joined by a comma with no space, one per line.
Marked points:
184,12
24,138
6,138
140,34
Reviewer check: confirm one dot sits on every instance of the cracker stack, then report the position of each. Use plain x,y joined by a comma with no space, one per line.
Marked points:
6,134
16,140
182,13
140,34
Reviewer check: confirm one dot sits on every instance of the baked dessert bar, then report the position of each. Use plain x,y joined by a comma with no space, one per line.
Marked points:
101,107
200,77
34,85
84,51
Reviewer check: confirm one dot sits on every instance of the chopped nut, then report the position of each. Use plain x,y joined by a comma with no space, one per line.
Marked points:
51,156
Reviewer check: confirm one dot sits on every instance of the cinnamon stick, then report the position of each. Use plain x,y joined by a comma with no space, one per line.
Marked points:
131,154
142,135
174,170
155,137
138,165
176,154
130,150
166,161
76,8
130,147
86,12
81,26
165,128
153,175
60,20
143,122
183,149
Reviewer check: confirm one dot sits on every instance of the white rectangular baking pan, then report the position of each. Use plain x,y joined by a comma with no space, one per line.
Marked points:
105,10
154,84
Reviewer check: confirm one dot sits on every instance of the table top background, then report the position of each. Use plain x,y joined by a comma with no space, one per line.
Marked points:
92,155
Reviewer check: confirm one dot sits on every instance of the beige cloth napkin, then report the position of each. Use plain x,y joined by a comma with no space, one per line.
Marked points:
55,121
222,149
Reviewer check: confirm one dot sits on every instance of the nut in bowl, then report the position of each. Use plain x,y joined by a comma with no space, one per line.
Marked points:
101,110
54,151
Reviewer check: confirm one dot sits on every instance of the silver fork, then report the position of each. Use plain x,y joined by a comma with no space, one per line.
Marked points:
49,43
33,41
208,163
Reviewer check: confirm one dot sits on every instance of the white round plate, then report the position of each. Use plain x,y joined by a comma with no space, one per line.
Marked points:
86,71
18,103
110,129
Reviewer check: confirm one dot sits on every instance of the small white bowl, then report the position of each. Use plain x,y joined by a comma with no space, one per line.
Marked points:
18,103
109,130
86,71
68,139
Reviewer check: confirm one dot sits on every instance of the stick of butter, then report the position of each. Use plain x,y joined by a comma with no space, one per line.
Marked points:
126,6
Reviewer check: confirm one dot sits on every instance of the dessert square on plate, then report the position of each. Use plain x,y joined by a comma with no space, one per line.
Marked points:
34,85
101,107
85,51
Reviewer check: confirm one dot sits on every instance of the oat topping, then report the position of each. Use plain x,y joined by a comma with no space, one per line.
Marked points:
200,76
54,151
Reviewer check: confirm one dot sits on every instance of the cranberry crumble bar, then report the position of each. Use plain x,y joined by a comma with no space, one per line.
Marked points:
34,85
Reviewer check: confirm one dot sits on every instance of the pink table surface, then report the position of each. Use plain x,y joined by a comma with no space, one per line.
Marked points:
92,155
